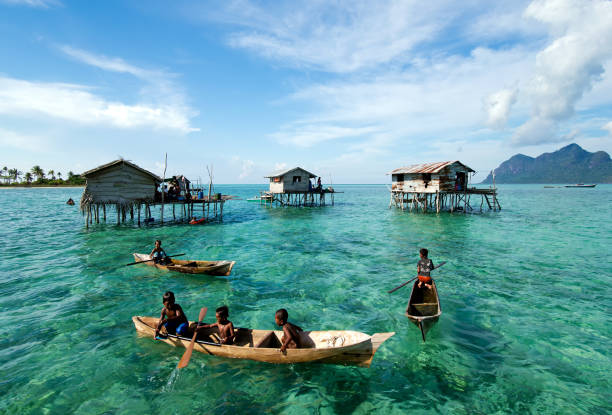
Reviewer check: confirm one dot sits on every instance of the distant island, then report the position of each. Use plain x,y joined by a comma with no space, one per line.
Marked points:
570,164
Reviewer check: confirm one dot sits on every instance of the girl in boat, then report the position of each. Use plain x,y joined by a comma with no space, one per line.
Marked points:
226,327
159,255
173,317
424,267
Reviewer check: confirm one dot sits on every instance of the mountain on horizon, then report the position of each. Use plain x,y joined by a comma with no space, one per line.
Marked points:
570,164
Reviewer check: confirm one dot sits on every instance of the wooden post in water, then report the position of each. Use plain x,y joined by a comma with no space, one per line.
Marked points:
104,211
162,188
138,213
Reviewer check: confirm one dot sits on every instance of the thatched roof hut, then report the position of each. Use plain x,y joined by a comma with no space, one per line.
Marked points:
120,183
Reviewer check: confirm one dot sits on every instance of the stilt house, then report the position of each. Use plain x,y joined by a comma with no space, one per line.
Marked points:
431,177
292,187
290,180
119,183
438,186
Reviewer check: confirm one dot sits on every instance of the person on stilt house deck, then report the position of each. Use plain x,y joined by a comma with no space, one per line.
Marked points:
159,255
424,267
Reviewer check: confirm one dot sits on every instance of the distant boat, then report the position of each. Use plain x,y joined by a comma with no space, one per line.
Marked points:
254,199
580,185
190,267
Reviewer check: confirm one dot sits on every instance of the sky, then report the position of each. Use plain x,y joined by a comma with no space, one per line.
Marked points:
347,90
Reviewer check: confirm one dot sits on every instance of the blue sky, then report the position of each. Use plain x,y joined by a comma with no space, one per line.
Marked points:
347,89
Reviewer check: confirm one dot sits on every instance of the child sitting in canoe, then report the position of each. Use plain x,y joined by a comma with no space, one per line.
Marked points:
291,335
424,268
226,327
172,317
159,255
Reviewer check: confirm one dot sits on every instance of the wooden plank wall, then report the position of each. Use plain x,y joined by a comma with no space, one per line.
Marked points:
120,184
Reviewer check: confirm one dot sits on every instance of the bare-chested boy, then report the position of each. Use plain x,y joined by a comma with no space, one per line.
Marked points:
172,317
226,327
291,335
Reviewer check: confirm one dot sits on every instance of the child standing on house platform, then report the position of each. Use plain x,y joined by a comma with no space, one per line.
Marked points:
424,268
226,327
172,317
291,336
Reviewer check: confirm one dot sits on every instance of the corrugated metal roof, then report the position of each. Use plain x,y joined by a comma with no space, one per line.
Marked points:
427,167
120,161
280,173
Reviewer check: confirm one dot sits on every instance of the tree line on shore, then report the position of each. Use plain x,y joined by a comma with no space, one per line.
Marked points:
37,176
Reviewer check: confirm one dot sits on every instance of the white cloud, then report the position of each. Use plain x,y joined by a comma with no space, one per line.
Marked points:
78,104
569,66
43,4
608,127
247,169
336,37
280,166
20,141
498,105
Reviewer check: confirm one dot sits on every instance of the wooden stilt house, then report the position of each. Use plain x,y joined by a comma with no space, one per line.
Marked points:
293,187
438,186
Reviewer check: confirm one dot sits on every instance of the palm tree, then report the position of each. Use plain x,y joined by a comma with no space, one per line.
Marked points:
17,174
52,174
59,175
12,175
28,177
38,172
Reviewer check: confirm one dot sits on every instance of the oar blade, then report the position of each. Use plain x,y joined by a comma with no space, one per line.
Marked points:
187,355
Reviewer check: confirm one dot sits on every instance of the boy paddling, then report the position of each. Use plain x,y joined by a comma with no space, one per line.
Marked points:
172,317
424,268
159,255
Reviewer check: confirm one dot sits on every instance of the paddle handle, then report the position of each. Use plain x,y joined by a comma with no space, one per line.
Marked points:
187,355
400,286
140,262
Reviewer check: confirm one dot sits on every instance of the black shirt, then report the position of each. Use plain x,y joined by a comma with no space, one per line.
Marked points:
425,266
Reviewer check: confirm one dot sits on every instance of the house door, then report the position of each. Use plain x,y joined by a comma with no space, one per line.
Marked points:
460,181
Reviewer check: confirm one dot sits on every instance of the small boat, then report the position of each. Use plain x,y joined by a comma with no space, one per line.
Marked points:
254,199
580,185
424,307
343,347
191,267
197,221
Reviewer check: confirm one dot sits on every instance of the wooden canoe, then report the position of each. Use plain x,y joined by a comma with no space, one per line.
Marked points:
424,307
334,347
191,267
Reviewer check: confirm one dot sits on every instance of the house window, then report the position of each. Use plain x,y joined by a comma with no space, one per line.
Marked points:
276,179
297,179
399,177
426,179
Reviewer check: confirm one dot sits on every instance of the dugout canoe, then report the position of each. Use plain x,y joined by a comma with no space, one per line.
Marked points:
191,267
424,307
342,347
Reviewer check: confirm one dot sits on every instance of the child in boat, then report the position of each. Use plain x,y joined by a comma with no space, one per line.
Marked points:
226,327
172,317
291,335
424,268
159,255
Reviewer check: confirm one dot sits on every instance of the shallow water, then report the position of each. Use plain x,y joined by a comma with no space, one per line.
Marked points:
526,297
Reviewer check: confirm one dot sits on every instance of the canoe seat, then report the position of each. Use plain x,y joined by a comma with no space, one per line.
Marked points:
269,341
423,309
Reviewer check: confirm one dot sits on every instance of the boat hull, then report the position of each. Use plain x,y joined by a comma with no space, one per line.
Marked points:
331,347
223,268
424,307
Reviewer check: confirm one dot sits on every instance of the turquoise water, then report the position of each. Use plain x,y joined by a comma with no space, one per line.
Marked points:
526,297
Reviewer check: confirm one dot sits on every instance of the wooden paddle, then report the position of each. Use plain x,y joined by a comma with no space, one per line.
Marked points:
148,260
187,355
400,286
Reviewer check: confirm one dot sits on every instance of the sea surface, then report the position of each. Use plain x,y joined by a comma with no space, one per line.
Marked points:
526,296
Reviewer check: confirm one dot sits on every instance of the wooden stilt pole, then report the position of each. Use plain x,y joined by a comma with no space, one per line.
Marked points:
138,213
104,212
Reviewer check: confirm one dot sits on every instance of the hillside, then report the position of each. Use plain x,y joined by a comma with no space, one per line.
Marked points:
570,164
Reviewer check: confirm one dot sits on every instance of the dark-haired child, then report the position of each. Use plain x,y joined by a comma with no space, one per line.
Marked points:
172,317
159,255
424,268
226,327
291,336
